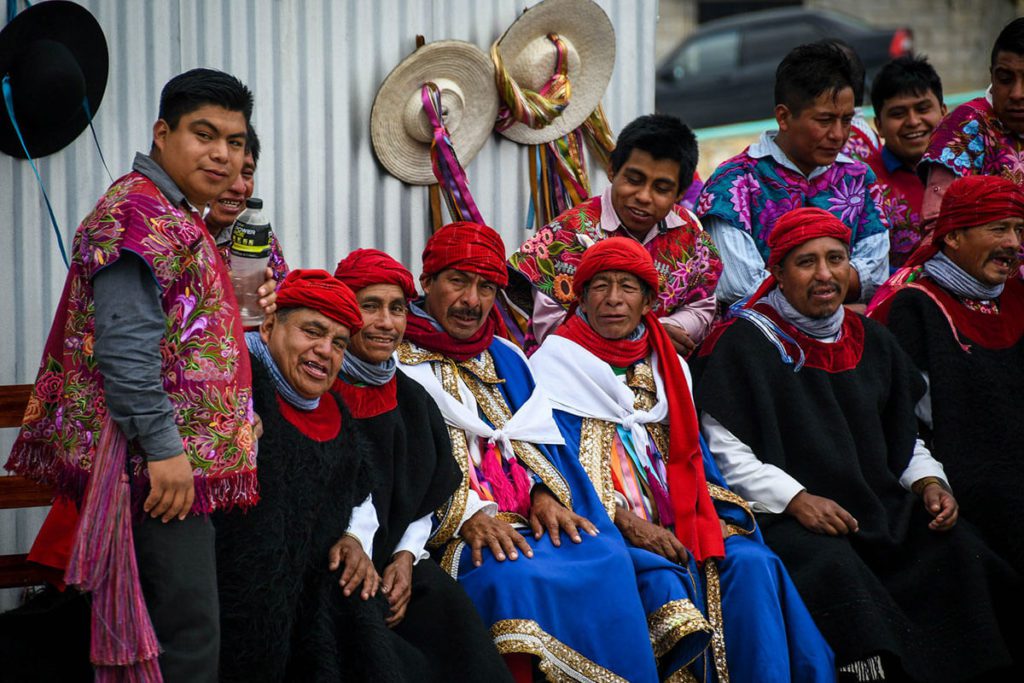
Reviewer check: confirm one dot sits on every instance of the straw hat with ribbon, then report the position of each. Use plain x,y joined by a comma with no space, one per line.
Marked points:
400,123
552,66
53,60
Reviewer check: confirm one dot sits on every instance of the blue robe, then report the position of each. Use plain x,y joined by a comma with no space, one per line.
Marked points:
769,636
574,606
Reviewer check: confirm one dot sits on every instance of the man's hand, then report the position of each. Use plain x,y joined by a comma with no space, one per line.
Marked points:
547,513
171,488
397,586
268,293
257,426
358,567
650,536
680,339
483,530
941,505
821,515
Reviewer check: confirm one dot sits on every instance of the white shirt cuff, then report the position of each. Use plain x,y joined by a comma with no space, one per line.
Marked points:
363,524
414,540
922,465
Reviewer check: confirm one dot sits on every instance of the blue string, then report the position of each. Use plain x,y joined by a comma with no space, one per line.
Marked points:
88,114
9,102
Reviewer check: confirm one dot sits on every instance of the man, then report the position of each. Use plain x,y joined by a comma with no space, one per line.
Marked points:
809,410
224,211
623,401
984,136
652,166
416,474
798,165
143,373
959,314
289,612
863,141
907,98
510,533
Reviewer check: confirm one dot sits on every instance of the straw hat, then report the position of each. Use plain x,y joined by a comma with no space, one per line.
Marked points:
399,128
56,56
529,58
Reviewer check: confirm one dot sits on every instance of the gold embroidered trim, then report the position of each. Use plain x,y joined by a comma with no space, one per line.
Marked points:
596,440
450,559
726,496
641,376
714,598
672,622
682,675
558,661
450,513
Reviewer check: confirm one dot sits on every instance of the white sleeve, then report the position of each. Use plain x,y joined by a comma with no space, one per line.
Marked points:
922,465
474,505
414,540
870,257
923,409
743,268
363,524
768,488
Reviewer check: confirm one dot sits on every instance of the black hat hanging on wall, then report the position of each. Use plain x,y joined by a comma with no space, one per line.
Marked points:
53,61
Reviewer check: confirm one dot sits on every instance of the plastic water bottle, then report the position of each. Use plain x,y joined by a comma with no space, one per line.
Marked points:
250,251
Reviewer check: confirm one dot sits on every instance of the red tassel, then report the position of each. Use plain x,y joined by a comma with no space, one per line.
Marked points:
504,493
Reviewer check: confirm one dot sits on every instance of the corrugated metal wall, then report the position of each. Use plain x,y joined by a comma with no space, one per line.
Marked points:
314,66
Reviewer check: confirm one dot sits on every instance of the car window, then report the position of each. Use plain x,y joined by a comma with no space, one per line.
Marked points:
768,44
710,55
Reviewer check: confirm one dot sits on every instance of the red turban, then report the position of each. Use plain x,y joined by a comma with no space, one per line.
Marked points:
616,253
316,289
803,225
365,267
466,246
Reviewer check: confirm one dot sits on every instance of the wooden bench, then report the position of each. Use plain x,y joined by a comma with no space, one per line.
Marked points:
18,492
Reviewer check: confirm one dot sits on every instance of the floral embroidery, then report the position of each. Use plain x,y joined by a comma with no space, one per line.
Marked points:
971,140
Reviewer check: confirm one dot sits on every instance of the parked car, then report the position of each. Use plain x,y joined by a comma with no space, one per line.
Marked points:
725,71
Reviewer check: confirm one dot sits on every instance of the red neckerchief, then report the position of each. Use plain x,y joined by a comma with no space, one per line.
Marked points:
321,424
420,331
696,521
366,400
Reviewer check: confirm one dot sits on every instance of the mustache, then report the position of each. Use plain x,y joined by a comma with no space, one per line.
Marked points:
1004,253
823,289
467,312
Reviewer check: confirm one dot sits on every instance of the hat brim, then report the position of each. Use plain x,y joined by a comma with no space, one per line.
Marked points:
464,64
77,29
586,26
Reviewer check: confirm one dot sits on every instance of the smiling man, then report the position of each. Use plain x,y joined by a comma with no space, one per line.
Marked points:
622,399
416,474
512,533
984,136
809,410
651,167
800,164
146,348
907,97
959,313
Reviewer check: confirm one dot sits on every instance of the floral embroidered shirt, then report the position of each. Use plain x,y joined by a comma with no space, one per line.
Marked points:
684,254
898,195
746,195
971,140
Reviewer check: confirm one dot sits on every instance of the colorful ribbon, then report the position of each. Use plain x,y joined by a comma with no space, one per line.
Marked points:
535,109
451,177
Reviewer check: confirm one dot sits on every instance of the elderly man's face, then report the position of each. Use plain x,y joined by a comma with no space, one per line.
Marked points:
1008,90
307,348
458,300
814,276
615,301
384,317
987,252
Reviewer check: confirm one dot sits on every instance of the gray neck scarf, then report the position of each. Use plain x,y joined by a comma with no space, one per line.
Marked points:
819,328
374,374
954,278
259,351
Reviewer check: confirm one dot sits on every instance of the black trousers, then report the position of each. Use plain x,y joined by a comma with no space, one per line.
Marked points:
178,573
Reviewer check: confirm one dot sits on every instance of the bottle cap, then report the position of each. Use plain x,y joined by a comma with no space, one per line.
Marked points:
254,203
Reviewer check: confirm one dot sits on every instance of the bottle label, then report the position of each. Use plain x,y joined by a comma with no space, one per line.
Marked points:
250,241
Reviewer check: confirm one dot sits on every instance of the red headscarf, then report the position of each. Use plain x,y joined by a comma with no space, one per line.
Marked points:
793,229
316,289
365,267
696,522
466,246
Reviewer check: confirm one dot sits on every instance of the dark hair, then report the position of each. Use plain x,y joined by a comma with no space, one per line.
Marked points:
810,70
910,75
856,67
1010,39
252,144
197,88
663,137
